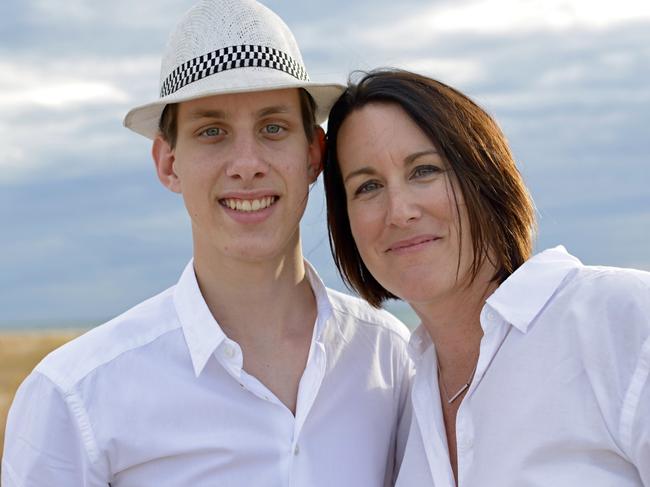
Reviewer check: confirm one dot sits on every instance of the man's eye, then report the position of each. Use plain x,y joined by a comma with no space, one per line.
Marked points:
212,132
273,129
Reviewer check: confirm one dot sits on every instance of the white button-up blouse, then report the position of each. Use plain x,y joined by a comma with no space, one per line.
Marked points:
158,397
561,394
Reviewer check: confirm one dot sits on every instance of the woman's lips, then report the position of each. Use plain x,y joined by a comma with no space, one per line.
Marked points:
411,243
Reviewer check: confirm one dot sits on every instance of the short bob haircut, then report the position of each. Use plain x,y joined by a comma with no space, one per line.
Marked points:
500,211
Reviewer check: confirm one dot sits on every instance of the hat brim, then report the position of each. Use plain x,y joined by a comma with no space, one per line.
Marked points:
144,119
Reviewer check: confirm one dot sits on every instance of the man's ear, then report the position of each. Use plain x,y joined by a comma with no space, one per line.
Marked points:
164,158
316,153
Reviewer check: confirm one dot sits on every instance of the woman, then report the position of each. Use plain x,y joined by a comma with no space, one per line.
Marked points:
531,371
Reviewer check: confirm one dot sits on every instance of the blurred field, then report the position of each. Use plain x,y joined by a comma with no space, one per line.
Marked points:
19,353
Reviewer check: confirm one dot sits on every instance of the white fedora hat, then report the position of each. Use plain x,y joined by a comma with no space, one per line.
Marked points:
229,46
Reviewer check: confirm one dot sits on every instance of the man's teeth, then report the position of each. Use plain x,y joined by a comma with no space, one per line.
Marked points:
249,205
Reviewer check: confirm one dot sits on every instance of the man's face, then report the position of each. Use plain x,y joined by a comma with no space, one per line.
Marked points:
244,165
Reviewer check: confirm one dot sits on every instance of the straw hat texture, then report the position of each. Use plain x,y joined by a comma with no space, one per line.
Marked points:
229,46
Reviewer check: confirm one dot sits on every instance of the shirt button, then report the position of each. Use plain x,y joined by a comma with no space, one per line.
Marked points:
229,351
465,442
491,316
296,450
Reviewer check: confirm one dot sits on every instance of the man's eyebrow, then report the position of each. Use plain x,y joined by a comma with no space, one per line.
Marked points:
200,113
272,110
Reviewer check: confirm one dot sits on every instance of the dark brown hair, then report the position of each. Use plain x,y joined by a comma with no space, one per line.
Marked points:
168,124
499,208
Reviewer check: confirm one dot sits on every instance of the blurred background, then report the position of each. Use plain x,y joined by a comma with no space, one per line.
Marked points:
87,231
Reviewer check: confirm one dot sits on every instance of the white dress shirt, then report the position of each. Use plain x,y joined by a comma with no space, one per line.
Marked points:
158,397
561,394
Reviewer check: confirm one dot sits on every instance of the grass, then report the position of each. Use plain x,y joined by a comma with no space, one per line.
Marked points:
19,354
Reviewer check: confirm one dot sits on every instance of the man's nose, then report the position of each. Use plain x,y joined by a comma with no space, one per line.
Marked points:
246,161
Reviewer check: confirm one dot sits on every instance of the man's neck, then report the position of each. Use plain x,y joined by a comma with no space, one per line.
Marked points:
256,298
269,309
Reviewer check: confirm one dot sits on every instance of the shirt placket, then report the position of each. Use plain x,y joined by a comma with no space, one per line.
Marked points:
495,331
230,356
232,359
428,413
307,391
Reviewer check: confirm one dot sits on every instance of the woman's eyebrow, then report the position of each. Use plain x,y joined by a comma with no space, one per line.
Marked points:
369,171
416,155
362,171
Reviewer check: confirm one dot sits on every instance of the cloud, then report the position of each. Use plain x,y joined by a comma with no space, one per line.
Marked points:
87,247
511,16
65,82
89,231
24,86
80,27
63,117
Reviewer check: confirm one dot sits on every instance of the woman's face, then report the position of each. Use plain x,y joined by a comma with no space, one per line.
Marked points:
403,213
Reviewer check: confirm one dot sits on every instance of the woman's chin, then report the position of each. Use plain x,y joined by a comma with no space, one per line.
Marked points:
414,293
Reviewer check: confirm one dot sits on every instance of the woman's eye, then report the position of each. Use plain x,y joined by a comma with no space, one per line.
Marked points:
367,187
424,171
212,132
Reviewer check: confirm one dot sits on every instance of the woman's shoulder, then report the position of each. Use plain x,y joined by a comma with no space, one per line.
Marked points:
613,284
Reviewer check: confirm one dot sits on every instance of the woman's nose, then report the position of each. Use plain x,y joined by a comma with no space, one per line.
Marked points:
402,210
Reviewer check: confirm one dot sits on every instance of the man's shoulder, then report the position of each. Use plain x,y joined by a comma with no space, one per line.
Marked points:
133,329
363,314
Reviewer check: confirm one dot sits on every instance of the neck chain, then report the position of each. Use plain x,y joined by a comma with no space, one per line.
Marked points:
461,390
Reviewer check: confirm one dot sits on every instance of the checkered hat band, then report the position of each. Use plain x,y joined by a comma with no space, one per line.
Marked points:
233,57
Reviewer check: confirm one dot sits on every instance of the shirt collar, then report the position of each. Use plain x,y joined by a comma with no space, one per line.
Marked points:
203,334
419,342
323,303
521,297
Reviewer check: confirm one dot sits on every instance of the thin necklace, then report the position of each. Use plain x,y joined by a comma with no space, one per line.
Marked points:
461,390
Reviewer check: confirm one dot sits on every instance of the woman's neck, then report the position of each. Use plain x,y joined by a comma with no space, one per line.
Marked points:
453,321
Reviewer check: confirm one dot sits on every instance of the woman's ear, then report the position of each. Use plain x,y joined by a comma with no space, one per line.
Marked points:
164,159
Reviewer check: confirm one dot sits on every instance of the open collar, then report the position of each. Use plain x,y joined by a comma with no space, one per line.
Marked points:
521,297
203,334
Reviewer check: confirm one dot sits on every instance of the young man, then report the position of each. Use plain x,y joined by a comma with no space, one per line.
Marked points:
248,371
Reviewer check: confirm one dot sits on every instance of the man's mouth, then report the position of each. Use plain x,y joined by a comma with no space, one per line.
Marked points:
250,205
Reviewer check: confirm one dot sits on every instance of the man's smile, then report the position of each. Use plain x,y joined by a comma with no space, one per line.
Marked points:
248,205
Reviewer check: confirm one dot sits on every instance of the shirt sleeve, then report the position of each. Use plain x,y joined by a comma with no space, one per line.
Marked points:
406,411
637,408
404,415
635,413
44,443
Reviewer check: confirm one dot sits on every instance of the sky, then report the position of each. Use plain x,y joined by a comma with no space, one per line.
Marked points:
88,231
